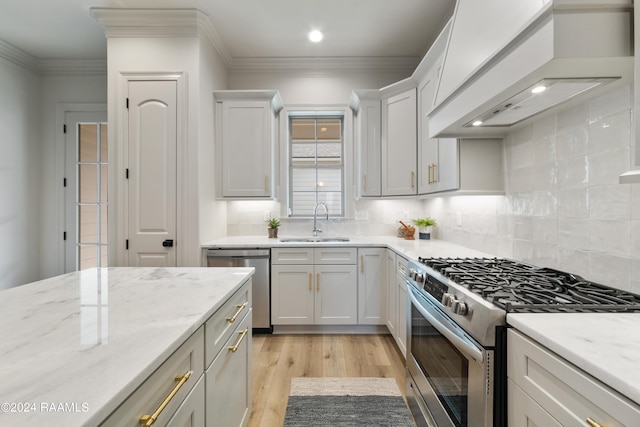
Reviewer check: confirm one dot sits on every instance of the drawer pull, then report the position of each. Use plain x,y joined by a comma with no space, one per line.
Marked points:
242,335
235,316
594,423
317,282
148,420
310,281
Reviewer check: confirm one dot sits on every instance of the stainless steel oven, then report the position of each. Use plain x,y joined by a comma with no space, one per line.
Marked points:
450,374
456,351
451,352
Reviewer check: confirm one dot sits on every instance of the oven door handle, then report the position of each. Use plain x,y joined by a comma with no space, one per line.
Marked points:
467,348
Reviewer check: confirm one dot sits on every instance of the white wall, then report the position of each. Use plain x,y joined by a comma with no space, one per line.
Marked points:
212,213
20,175
563,206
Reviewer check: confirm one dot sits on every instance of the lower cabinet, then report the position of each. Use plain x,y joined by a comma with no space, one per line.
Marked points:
192,411
228,380
314,295
546,390
205,382
372,308
328,286
402,307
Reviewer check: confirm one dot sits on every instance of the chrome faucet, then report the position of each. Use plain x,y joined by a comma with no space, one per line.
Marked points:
316,230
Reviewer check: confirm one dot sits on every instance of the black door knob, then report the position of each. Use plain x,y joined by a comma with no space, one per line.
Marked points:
168,243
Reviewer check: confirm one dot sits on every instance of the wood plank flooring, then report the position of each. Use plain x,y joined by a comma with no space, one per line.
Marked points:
278,358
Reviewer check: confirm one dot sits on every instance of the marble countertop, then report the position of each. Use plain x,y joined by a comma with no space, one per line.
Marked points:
605,345
88,339
411,249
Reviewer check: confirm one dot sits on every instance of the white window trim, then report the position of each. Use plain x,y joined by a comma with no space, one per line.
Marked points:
283,156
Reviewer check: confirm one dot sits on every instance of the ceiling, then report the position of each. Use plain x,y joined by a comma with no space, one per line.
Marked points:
64,29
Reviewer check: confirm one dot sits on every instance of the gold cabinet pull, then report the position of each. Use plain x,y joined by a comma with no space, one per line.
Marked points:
317,282
310,281
434,173
235,316
362,263
594,423
413,175
148,420
266,184
243,334
429,175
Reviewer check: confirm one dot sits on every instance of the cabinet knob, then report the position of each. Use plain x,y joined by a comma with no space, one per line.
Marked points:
168,243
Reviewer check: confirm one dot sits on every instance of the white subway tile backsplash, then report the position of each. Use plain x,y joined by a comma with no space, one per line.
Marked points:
610,132
573,203
610,103
573,233
605,167
610,237
609,202
563,205
573,172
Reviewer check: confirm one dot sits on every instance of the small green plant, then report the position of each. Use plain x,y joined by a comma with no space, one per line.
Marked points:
424,222
273,222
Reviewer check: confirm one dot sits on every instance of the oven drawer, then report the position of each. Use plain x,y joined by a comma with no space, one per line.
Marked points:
568,394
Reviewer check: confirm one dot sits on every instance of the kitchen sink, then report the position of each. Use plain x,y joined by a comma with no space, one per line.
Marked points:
315,240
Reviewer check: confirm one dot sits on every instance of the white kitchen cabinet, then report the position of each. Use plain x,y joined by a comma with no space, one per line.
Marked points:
367,136
466,166
246,138
314,286
191,412
209,384
392,309
179,374
399,141
372,286
228,380
544,389
402,306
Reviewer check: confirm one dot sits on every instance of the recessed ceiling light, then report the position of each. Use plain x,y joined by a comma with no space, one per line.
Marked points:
316,36
477,123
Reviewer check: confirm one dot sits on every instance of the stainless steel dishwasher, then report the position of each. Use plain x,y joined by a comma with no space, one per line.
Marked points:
261,281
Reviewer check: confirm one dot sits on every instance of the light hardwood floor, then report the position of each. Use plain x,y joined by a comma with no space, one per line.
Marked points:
278,358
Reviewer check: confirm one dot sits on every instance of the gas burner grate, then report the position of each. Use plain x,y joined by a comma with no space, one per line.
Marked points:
519,287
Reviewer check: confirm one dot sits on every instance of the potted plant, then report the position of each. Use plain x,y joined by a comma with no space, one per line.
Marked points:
424,227
273,223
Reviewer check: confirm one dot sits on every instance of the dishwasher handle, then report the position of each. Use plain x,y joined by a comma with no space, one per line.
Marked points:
238,253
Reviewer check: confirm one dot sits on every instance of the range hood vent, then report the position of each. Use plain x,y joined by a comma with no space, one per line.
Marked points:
540,97
575,49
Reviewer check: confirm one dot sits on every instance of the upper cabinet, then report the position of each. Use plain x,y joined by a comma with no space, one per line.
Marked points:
399,138
246,136
367,121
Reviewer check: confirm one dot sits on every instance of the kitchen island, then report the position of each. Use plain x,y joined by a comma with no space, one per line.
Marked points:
74,347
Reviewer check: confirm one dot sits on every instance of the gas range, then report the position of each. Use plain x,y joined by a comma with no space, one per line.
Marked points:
457,340
519,287
478,292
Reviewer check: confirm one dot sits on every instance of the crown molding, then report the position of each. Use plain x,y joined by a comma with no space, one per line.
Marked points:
84,67
19,57
52,66
125,22
324,65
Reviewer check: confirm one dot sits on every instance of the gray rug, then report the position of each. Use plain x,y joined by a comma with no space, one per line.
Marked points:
346,402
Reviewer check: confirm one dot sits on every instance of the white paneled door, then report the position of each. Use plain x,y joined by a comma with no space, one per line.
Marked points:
152,168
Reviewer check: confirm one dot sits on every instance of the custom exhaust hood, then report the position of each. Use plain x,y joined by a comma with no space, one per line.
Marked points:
507,62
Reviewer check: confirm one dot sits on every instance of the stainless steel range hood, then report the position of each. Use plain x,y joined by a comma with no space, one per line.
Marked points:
572,48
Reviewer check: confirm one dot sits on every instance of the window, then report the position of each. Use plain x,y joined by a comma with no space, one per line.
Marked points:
91,202
316,164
